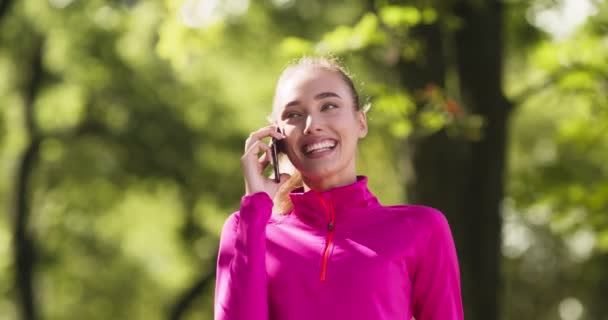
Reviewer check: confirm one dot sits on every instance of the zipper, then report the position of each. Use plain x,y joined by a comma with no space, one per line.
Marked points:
331,218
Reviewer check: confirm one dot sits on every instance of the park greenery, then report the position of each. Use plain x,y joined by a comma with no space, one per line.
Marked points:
122,123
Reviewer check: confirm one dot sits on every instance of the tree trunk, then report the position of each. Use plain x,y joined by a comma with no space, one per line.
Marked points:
184,302
189,233
598,283
465,179
24,253
5,6
23,243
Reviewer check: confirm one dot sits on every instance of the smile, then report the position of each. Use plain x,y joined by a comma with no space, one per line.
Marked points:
319,147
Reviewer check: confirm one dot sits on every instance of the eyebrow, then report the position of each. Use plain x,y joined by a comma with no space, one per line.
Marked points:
319,96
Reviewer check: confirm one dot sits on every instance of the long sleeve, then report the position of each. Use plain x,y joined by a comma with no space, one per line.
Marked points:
436,287
241,282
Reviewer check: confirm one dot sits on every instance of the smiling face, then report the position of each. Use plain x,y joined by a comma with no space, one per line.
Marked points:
315,108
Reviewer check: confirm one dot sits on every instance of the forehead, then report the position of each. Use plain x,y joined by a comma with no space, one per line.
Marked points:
306,82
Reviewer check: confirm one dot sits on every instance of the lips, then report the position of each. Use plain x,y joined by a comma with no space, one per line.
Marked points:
319,146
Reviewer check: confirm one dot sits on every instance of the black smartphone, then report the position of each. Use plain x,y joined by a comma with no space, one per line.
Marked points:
276,146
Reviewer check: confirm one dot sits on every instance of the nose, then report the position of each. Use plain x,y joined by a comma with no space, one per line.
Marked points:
312,124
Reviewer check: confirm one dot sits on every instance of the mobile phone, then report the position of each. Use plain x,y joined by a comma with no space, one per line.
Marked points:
276,146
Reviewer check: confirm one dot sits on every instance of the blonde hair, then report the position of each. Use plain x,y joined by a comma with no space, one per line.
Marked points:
282,202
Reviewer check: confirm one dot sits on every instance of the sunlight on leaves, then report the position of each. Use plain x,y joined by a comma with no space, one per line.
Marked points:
431,121
344,39
204,13
60,106
394,104
292,47
397,16
571,309
401,128
577,80
146,224
580,244
516,236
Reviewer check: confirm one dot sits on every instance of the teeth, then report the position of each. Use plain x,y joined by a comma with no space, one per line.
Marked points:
320,145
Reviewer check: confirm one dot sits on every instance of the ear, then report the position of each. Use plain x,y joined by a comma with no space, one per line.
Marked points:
362,119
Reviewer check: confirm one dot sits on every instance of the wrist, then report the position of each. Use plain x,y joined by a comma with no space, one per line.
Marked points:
250,190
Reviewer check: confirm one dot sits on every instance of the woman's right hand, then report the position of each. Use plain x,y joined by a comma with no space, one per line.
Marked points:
253,165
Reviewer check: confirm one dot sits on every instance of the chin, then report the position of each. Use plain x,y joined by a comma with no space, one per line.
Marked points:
316,175
319,173
319,169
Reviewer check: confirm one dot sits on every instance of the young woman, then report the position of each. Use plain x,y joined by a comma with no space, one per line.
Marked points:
331,251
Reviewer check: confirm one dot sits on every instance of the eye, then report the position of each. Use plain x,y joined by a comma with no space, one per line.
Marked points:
329,106
291,115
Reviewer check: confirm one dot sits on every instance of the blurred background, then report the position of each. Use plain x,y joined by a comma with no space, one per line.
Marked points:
122,123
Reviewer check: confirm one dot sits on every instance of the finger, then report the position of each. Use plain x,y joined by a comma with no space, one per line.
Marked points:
256,149
264,159
268,131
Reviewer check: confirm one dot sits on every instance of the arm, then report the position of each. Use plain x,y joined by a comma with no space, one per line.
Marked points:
241,283
436,288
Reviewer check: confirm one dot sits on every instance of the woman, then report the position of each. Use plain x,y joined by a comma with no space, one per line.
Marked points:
332,251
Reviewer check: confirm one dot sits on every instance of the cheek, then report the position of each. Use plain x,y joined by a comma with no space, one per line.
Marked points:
290,134
350,138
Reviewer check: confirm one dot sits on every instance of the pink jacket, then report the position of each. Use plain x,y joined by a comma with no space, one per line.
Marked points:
338,255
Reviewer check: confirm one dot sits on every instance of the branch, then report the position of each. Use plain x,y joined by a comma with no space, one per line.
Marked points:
188,297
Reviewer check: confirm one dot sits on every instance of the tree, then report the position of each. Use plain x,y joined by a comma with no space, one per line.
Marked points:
465,179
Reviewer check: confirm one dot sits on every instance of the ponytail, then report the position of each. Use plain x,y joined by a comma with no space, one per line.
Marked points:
282,202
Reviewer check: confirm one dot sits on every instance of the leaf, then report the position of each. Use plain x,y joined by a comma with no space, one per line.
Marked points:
335,41
60,106
394,104
429,15
602,241
294,47
346,39
400,16
577,80
366,32
401,128
431,121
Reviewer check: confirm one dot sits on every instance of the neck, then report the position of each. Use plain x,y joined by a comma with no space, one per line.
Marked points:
325,184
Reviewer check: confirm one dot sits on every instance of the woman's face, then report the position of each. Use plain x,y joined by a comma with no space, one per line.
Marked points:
315,110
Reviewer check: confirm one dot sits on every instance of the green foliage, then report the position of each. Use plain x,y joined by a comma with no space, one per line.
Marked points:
400,16
558,176
295,47
394,109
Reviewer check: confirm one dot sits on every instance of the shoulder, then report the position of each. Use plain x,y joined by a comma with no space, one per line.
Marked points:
419,219
430,228
230,224
417,213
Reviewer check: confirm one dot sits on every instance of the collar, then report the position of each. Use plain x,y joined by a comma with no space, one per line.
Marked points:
333,204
